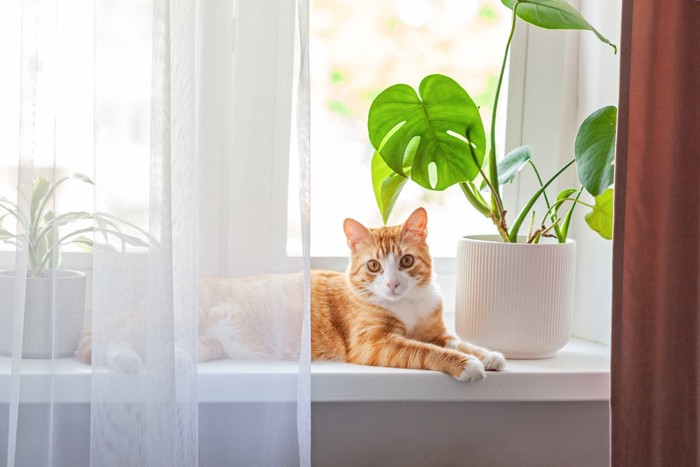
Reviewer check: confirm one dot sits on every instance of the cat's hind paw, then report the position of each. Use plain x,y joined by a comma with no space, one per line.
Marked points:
473,371
494,361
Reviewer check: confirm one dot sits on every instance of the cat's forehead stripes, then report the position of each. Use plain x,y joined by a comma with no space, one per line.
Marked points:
390,240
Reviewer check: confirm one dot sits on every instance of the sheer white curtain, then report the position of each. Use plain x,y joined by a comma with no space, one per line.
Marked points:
155,139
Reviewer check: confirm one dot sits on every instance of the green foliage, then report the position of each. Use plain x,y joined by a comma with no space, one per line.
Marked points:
429,131
42,233
600,219
387,185
553,14
338,107
511,165
337,76
595,150
436,138
487,13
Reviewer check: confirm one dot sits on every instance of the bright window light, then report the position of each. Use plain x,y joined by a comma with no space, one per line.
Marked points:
357,49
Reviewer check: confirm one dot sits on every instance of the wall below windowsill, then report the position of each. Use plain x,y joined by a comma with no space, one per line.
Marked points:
580,372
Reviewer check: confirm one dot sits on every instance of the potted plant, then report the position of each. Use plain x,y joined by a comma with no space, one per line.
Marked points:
54,297
515,288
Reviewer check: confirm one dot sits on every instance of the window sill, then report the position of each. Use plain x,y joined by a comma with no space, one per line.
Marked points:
580,372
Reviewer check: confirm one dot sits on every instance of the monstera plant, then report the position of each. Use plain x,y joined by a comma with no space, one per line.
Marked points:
510,295
435,137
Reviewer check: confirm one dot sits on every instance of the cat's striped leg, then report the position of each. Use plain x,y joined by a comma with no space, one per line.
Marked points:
400,352
493,361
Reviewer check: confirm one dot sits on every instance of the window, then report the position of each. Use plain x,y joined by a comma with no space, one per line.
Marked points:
360,47
65,110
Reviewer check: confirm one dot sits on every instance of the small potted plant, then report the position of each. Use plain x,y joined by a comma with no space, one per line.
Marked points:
54,297
515,288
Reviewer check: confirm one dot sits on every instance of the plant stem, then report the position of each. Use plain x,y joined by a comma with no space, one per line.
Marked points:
546,198
539,233
478,203
480,206
493,168
521,217
567,218
496,213
556,205
499,216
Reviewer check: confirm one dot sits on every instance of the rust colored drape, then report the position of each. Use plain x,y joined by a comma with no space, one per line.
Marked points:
655,369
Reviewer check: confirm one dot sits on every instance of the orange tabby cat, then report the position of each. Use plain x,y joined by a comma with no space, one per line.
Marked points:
385,310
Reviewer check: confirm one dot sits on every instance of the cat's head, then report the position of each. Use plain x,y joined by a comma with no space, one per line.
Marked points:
389,263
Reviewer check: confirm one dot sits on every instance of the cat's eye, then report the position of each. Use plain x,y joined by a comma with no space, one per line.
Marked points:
373,265
407,261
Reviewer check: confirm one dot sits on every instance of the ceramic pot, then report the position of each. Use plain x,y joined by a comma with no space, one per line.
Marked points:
53,313
516,298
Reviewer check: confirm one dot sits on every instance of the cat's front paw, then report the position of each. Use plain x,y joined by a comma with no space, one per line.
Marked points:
494,361
473,370
124,360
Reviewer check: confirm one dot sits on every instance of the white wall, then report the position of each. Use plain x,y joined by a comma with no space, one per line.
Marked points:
598,71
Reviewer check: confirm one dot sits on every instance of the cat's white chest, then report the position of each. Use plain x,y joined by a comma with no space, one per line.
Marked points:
416,306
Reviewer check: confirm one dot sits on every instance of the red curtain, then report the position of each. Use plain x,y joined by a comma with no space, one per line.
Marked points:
655,369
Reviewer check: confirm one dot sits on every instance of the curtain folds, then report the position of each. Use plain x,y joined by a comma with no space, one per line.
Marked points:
655,406
164,144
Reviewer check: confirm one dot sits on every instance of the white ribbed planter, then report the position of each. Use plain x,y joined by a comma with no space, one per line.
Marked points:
53,313
514,297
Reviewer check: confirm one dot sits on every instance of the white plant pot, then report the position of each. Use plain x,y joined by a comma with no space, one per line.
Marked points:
516,298
53,313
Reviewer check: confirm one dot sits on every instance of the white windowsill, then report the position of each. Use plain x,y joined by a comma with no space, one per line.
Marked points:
580,372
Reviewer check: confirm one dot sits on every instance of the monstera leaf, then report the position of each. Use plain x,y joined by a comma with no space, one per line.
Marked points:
594,150
387,185
513,163
553,14
437,132
600,219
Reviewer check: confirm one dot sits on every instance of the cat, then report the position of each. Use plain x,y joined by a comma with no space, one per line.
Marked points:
384,310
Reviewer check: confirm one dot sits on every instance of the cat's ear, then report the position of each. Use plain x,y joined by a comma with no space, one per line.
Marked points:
355,233
417,224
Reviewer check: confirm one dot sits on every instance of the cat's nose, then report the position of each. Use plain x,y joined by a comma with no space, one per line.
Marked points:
393,285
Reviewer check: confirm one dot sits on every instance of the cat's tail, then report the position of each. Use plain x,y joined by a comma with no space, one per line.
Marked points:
84,351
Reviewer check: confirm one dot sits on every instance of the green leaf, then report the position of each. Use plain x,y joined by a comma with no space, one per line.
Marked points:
387,185
565,194
6,234
84,243
553,14
52,222
40,189
595,150
431,133
513,163
83,178
600,219
509,166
